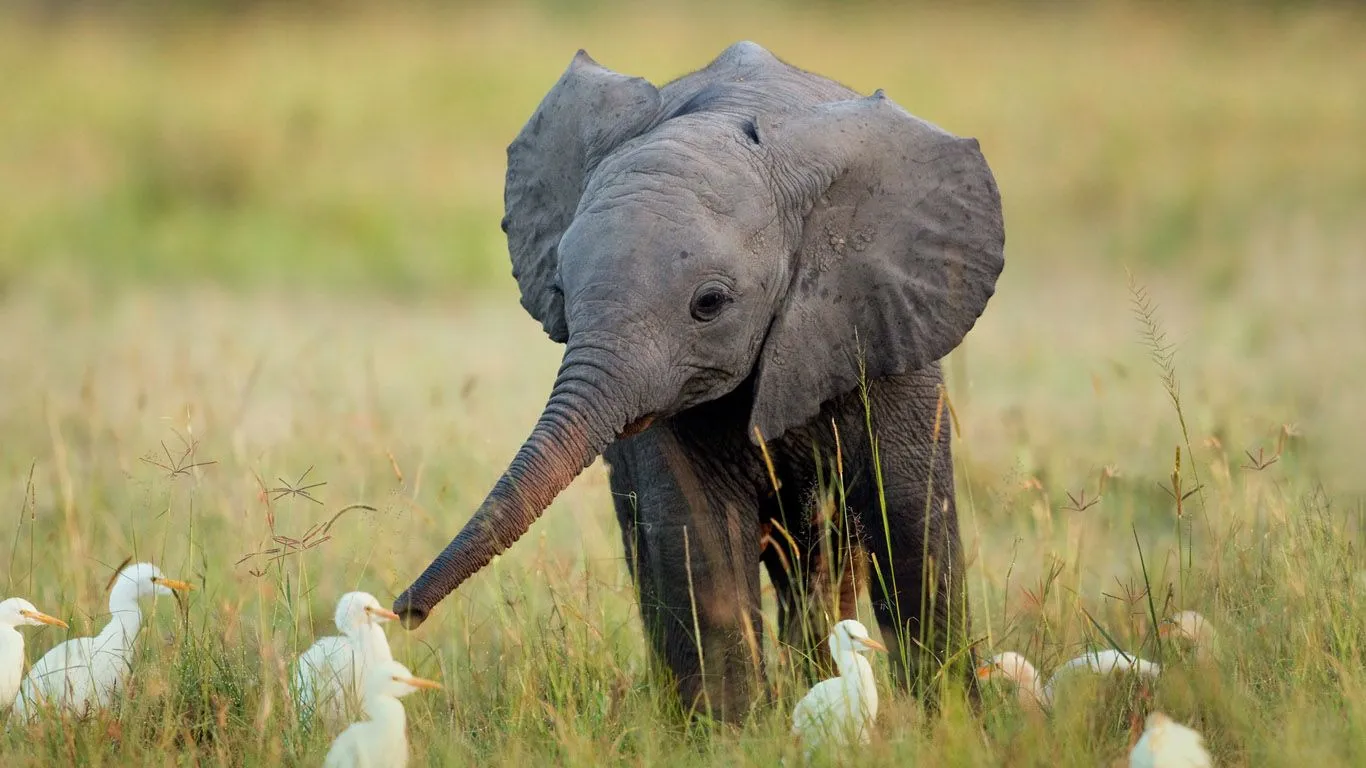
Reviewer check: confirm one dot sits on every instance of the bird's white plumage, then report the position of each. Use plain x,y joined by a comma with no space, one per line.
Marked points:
1016,669
841,711
1106,662
382,740
14,613
1192,628
85,673
1166,743
330,675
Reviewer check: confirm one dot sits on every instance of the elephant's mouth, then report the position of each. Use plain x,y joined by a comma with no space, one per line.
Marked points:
636,427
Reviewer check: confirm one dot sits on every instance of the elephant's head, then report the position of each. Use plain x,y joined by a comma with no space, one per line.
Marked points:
748,223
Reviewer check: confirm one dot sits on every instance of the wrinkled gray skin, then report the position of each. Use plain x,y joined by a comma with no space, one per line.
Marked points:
719,256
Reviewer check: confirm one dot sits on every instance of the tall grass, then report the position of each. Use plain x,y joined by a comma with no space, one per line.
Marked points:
543,654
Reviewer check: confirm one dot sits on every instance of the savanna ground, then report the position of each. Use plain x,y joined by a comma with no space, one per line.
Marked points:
276,239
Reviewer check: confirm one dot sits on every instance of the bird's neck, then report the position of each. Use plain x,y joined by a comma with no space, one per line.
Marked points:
125,620
1204,639
1039,693
385,709
372,643
386,712
11,657
1035,691
856,669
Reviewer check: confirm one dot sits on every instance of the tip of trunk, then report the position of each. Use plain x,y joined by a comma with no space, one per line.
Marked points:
409,615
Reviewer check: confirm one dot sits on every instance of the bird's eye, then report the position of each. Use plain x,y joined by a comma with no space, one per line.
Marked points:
709,300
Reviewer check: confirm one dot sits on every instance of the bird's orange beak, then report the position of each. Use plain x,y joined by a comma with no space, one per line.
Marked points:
419,682
1165,628
44,618
873,645
175,584
385,612
984,672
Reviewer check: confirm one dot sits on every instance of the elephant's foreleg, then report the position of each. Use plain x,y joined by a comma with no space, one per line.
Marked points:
696,566
700,598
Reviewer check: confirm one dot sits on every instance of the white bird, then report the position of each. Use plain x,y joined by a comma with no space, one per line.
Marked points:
381,741
14,613
1016,669
331,674
84,673
1194,629
840,711
1106,662
1168,744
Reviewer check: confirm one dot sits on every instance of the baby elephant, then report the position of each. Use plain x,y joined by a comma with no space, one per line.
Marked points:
754,271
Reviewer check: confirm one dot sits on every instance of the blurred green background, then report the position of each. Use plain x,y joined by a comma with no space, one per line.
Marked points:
361,147
356,151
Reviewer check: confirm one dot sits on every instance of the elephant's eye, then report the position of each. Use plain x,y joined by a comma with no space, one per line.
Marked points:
709,300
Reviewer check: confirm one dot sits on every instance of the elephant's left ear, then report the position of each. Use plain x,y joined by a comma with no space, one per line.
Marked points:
901,246
588,114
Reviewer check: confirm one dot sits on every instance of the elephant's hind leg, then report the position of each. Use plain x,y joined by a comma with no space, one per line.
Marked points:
816,572
920,596
904,499
798,637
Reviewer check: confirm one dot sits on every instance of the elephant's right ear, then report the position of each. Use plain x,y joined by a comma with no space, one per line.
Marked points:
590,112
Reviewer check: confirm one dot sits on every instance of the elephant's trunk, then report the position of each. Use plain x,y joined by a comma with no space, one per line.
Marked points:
580,419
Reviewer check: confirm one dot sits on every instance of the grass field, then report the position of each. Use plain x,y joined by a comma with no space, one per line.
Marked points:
277,240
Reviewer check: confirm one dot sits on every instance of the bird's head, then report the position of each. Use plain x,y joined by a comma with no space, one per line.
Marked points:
141,580
1189,626
18,612
1009,666
850,636
1015,671
359,609
393,680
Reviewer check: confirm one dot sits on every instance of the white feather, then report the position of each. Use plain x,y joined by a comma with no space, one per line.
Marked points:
86,673
382,740
1168,744
840,712
14,613
330,676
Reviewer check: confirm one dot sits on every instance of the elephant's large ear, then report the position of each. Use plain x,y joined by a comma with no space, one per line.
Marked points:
899,253
590,111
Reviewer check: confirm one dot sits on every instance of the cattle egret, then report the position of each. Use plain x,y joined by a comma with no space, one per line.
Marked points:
1016,669
1194,629
840,711
84,673
1168,744
381,741
1107,662
331,674
14,613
